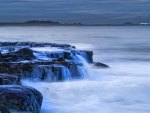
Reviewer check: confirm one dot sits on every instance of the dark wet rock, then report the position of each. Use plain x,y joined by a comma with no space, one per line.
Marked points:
3,109
6,79
8,57
57,70
25,53
20,98
88,55
64,65
19,60
59,55
100,65
25,58
22,54
67,55
35,44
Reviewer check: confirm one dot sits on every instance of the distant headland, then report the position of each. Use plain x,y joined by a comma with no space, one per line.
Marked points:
53,23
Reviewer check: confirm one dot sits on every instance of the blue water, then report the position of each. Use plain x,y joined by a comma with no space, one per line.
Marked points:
125,87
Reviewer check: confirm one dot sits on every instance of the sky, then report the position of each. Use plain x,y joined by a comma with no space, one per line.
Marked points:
70,11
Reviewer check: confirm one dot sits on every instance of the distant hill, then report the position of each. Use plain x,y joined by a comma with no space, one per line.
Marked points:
128,24
29,23
41,22
52,23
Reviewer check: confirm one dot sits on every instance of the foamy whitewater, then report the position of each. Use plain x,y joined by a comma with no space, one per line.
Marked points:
124,88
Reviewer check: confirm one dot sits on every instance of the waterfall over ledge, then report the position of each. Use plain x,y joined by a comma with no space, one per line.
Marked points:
44,61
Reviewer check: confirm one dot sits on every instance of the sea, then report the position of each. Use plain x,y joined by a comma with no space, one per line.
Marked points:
122,88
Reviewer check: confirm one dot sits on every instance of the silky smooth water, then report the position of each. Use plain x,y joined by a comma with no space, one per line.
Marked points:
125,87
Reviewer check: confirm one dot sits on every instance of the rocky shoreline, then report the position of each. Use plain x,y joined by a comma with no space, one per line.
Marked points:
48,62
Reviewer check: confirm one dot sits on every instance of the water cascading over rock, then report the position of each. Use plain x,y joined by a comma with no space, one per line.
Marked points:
38,62
44,61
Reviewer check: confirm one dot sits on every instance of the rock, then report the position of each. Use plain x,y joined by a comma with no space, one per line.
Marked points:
22,54
35,44
56,70
20,98
100,65
88,55
8,57
6,79
3,109
49,59
25,53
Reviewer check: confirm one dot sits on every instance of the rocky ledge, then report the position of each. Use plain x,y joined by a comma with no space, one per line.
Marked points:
41,62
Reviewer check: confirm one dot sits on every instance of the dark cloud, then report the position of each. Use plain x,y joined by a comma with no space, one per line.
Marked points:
85,11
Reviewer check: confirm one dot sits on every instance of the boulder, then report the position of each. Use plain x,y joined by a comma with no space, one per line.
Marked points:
100,65
3,109
25,53
20,98
22,54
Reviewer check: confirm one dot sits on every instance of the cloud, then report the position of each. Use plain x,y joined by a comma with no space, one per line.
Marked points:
73,10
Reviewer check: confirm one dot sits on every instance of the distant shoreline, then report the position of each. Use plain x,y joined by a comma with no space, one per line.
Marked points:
51,23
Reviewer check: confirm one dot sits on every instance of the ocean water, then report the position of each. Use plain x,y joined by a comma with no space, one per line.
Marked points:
125,87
